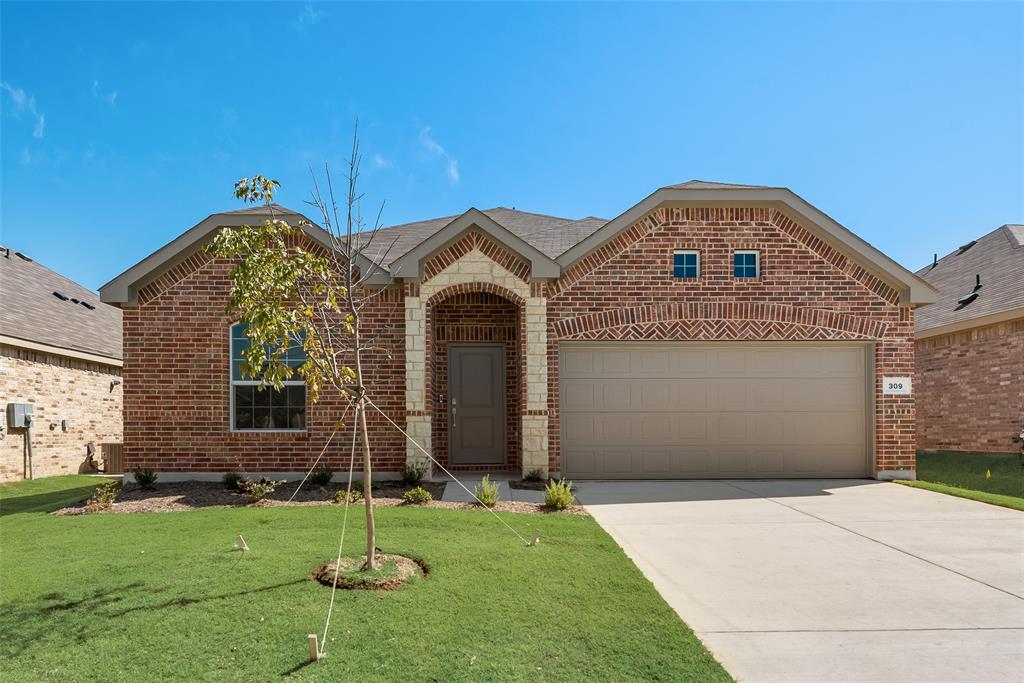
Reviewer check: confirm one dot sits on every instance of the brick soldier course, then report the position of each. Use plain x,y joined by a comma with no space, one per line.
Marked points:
530,283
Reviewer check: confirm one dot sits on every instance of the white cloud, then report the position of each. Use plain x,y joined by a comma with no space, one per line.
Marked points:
23,102
435,148
380,162
110,97
309,15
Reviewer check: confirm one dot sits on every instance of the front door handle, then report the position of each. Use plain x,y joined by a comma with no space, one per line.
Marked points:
454,411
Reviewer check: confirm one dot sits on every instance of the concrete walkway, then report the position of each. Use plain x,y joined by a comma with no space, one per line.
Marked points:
830,580
456,494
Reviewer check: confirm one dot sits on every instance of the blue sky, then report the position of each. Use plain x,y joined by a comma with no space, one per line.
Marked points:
124,124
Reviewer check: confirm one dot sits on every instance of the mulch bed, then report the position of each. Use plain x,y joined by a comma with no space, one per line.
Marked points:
195,495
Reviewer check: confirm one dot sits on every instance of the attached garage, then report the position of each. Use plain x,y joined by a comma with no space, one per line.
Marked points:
687,410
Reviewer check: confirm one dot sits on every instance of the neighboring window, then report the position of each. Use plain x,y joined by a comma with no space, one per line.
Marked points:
686,264
745,264
270,409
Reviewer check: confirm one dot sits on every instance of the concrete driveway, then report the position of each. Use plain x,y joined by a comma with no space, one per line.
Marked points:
830,580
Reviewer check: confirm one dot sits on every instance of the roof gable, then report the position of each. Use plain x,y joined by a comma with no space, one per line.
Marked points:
123,290
913,290
410,264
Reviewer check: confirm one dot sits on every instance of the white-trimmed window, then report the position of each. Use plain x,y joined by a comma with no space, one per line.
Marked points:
686,263
746,264
256,407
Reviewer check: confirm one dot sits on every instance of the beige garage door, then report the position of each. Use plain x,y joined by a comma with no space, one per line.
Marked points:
688,411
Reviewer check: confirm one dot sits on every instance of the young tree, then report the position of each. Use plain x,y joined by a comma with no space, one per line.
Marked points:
292,297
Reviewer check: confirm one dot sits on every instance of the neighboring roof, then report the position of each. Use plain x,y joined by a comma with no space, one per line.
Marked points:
998,258
31,312
548,243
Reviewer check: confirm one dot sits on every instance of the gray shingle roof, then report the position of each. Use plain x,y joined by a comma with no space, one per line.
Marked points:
998,258
551,235
32,312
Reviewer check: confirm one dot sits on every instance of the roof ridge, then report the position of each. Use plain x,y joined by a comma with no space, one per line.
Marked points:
528,213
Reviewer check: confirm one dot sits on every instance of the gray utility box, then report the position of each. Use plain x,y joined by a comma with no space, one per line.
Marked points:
16,414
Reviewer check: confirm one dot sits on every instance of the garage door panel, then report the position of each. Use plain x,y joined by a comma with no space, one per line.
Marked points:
715,410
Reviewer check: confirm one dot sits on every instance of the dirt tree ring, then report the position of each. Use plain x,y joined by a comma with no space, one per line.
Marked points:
393,572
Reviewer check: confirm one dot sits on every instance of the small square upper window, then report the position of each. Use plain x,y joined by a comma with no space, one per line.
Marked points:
686,264
746,264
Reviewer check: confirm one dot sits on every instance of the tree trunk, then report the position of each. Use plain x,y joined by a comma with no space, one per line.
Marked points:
371,540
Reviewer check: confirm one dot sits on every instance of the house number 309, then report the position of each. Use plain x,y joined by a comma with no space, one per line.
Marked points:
896,386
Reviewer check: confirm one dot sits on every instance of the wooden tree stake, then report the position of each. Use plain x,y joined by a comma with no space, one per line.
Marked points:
536,539
314,651
241,543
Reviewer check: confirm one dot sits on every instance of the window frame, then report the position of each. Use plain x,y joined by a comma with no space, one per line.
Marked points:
232,383
757,264
695,252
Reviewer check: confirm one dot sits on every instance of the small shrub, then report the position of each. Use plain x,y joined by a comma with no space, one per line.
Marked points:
144,477
233,481
534,476
487,492
417,496
412,474
558,494
104,496
258,490
321,476
354,497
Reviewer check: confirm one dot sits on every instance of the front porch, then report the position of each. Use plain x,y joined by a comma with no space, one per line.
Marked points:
476,368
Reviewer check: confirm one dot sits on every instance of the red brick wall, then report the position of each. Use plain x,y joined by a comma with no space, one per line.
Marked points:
807,291
970,389
176,383
474,317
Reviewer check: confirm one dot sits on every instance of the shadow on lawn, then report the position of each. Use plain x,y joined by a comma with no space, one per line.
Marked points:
27,622
184,601
45,502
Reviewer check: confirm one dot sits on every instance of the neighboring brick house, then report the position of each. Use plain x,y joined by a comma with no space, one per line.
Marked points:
711,330
60,352
970,347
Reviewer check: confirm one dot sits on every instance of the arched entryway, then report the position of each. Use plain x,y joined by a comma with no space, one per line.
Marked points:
475,370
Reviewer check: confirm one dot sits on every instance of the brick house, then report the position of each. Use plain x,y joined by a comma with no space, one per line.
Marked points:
711,330
60,352
970,347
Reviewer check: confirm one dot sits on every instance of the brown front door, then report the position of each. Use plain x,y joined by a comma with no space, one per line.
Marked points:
476,408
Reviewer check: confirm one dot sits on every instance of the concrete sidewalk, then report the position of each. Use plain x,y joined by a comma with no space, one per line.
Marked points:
830,580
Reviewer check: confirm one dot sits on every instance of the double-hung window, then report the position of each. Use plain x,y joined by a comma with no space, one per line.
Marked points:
256,406
686,264
746,264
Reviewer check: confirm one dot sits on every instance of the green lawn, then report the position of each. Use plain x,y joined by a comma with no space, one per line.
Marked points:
166,596
966,475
